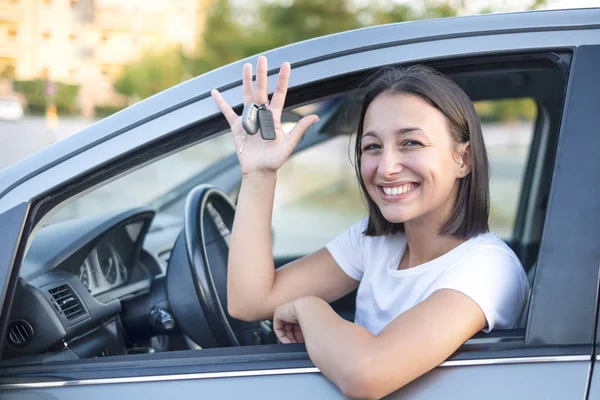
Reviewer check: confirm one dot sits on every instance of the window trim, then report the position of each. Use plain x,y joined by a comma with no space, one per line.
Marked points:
272,372
194,364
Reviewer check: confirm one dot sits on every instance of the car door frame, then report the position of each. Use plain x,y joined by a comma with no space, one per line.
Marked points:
545,341
590,87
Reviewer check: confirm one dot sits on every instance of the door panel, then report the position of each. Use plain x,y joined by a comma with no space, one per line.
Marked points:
594,393
294,386
510,381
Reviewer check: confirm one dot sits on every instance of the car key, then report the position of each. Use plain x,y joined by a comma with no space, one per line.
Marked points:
266,123
250,118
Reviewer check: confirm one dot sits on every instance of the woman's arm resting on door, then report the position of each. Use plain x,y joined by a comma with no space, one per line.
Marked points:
363,365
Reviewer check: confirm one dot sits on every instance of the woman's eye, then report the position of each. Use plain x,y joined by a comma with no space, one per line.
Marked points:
411,143
371,146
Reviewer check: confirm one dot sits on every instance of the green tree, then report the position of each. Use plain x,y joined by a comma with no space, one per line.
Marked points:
153,73
437,11
304,19
381,14
225,40
268,25
538,4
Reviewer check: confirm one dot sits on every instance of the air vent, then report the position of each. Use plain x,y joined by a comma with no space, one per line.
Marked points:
20,333
66,302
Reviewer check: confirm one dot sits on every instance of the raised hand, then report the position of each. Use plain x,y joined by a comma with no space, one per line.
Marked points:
264,155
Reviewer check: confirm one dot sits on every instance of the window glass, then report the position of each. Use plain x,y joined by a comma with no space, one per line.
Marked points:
317,197
150,183
507,127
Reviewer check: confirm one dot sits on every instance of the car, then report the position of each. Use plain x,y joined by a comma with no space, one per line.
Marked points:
10,108
114,241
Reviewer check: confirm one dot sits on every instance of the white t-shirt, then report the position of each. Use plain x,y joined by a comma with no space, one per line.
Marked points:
483,268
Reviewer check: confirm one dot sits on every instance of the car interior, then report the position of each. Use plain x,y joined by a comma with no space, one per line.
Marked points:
104,285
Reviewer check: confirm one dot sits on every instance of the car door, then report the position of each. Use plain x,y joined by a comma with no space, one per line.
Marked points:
590,83
550,357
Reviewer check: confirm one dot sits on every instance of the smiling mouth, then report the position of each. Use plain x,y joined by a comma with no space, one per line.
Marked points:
400,189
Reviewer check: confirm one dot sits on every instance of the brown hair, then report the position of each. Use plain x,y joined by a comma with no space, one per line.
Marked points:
471,211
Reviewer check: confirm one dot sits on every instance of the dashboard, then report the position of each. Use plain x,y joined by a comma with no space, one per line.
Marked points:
74,280
109,263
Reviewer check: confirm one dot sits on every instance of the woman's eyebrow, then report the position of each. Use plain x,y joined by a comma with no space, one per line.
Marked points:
400,131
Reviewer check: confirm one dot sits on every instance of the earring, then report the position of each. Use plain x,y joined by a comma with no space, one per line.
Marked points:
459,162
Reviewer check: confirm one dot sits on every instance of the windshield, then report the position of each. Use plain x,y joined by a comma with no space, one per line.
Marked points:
141,187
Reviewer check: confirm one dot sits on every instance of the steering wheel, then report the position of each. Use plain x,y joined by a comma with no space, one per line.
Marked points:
197,273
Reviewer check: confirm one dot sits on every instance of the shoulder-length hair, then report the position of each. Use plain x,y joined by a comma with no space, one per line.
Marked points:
471,210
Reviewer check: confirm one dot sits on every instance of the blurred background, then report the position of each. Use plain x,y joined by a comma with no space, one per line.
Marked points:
64,64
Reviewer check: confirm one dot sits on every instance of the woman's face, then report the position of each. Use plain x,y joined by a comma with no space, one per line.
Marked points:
410,164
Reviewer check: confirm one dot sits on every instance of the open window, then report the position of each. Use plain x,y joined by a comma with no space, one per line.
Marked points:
92,283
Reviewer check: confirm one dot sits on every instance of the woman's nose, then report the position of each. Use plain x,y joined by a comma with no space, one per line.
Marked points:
390,163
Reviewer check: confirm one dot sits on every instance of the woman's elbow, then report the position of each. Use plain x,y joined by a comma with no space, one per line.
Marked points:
362,379
360,383
245,313
359,389
237,312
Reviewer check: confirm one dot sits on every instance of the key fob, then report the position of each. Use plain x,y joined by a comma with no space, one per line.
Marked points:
250,118
266,124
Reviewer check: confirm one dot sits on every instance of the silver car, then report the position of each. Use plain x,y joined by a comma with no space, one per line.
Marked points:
114,241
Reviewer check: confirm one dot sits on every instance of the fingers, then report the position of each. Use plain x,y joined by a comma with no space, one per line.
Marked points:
301,127
225,108
298,336
288,332
247,82
281,330
278,100
261,95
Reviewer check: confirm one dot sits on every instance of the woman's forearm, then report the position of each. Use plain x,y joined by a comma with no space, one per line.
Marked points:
336,346
251,271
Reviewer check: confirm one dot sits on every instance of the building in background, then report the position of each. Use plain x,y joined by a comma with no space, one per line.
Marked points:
88,42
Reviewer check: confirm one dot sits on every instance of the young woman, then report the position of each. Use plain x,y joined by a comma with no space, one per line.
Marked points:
429,275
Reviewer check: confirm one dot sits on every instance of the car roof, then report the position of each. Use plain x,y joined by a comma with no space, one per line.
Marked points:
298,54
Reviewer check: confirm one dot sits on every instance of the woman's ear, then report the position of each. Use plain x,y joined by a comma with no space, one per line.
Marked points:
464,159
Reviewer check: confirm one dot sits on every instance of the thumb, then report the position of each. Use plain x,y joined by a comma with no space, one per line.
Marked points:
301,127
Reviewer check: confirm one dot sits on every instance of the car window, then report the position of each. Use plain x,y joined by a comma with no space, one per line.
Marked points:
150,182
508,127
318,197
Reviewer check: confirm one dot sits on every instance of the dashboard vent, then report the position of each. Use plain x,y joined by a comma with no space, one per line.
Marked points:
66,302
20,333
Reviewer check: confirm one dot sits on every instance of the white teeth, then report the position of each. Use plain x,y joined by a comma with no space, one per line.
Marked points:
399,189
